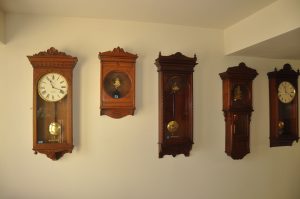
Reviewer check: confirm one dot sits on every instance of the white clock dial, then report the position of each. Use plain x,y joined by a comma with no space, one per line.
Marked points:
286,92
52,87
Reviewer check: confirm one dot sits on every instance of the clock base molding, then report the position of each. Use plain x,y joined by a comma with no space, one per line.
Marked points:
237,154
283,141
117,113
174,150
54,154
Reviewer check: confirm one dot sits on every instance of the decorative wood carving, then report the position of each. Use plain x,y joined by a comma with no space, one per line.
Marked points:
175,104
237,108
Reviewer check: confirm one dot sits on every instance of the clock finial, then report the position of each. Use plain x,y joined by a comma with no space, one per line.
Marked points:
287,67
242,64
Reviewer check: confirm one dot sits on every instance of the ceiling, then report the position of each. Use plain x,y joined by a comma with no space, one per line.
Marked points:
216,14
285,46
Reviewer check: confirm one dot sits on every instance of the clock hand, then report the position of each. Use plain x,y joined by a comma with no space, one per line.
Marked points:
54,87
50,82
58,89
285,89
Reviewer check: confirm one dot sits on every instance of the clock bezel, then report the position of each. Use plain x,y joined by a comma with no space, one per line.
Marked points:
291,97
39,88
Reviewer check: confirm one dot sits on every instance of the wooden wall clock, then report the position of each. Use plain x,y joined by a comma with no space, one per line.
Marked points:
283,98
237,108
175,103
117,83
52,102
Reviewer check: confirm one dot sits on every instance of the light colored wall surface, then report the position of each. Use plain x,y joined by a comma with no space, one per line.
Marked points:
278,18
119,158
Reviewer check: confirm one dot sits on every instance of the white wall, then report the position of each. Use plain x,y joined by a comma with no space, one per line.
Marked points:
119,158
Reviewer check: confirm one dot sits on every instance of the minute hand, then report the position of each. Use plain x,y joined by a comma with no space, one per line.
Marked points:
62,91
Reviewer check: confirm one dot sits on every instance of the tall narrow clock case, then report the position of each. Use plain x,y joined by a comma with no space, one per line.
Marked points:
52,102
283,106
117,83
175,73
237,108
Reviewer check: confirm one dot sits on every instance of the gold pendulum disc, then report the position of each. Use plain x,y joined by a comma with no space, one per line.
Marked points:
54,128
280,124
172,126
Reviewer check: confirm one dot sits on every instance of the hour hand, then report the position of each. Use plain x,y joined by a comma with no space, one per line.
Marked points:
61,91
50,82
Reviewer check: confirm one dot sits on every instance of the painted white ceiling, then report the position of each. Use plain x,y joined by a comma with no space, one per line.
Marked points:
285,46
217,14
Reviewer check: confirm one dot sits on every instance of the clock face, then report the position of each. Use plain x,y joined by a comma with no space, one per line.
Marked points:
52,87
286,92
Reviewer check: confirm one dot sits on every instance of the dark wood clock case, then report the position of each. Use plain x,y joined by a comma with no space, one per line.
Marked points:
175,73
117,83
237,108
283,116
52,61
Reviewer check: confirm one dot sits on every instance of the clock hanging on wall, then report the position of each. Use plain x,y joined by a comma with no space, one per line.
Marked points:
117,83
52,102
175,103
283,99
237,108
